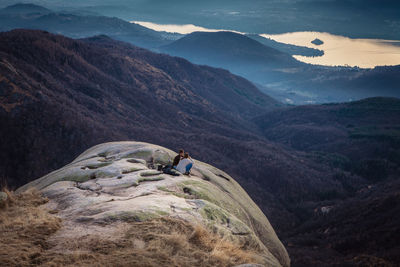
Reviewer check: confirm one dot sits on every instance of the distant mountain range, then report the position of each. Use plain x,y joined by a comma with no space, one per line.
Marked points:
266,63
20,9
314,170
78,25
353,18
281,76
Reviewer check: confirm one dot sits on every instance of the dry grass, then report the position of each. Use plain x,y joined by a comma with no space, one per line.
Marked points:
159,242
25,228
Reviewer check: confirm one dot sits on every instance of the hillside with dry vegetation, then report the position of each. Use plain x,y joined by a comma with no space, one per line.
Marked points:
27,230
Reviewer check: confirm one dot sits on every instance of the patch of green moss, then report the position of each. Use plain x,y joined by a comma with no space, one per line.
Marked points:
212,193
224,224
161,212
163,188
187,209
106,174
97,165
134,216
132,169
178,194
85,158
198,190
238,227
141,161
162,157
197,194
181,195
205,174
102,154
149,173
150,179
110,159
80,178
214,213
141,154
192,182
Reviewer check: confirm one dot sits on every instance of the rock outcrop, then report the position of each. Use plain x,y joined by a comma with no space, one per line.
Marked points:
119,182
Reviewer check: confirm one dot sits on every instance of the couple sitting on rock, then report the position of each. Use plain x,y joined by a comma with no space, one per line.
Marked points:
183,163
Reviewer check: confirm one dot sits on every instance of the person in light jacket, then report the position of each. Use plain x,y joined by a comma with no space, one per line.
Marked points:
185,164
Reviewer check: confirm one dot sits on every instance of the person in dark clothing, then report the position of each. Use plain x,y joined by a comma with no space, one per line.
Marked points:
178,158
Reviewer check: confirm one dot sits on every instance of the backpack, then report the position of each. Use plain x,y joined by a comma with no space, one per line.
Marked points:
168,170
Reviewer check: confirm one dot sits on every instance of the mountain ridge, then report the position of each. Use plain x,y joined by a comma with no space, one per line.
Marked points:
76,25
225,48
23,8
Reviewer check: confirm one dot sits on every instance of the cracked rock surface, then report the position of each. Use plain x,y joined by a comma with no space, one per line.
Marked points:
112,184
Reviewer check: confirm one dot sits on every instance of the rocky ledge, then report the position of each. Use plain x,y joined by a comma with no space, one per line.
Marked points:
113,184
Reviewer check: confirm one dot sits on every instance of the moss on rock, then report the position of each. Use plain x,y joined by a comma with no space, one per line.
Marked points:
141,154
149,173
161,157
150,179
215,214
96,165
133,216
132,169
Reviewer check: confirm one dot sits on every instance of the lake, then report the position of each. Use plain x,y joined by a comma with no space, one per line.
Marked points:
338,50
178,28
343,51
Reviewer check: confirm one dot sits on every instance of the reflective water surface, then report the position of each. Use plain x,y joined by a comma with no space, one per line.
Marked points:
343,51
176,28
338,50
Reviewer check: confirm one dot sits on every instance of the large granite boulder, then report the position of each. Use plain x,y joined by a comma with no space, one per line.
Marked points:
119,182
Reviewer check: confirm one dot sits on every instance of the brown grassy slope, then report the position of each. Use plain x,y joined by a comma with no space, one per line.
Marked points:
26,227
159,242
